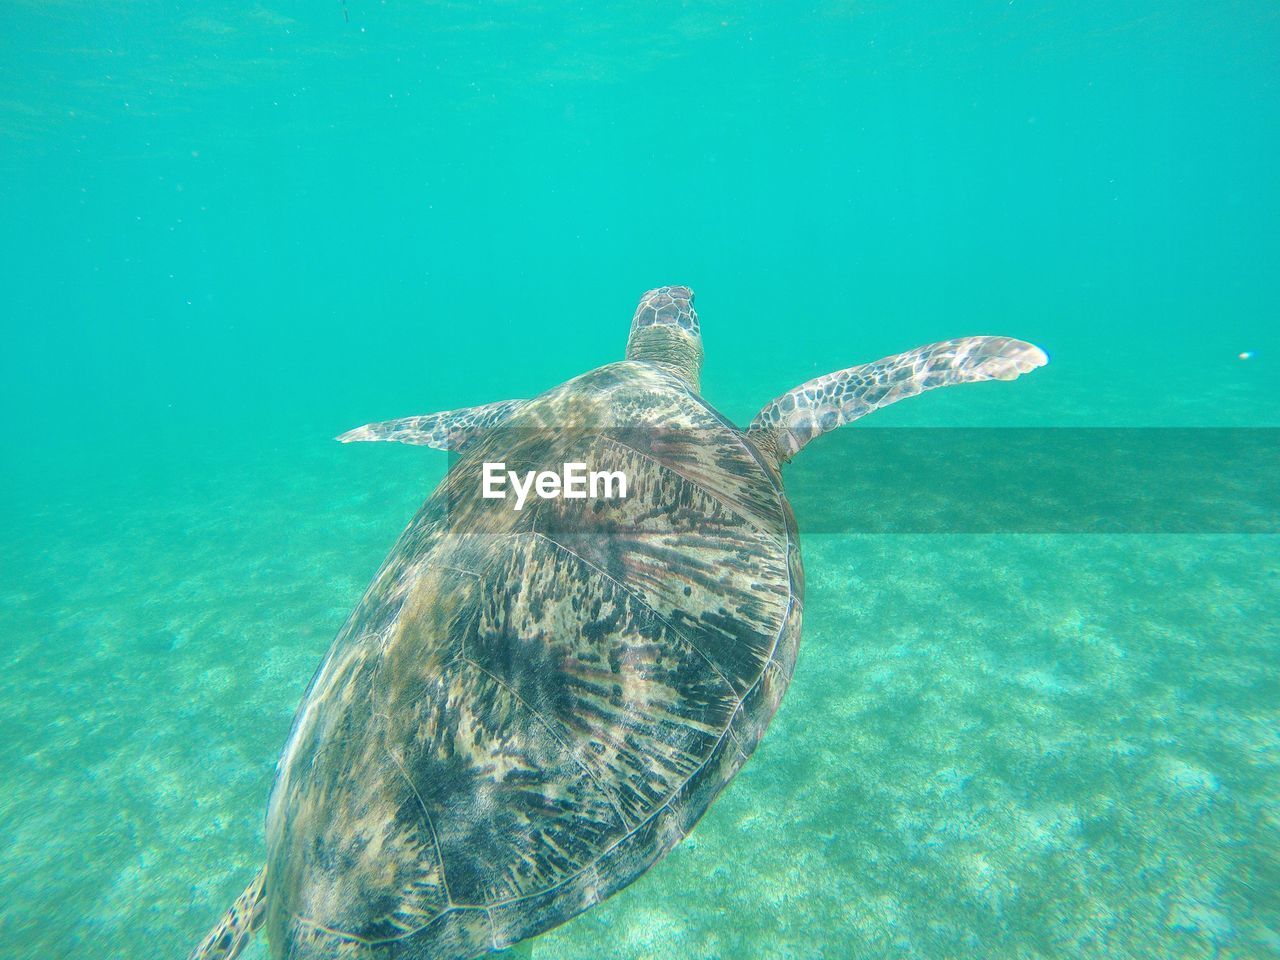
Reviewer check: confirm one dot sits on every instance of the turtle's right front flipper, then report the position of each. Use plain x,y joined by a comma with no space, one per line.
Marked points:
237,927
449,430
784,426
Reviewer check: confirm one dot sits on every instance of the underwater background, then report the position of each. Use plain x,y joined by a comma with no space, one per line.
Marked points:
233,232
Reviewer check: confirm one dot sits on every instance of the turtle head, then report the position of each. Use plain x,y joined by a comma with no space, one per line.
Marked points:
665,332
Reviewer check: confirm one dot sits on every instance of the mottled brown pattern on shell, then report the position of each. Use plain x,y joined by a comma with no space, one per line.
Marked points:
689,439
706,571
636,704
527,710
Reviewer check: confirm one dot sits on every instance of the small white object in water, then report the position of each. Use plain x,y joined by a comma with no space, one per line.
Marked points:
1246,355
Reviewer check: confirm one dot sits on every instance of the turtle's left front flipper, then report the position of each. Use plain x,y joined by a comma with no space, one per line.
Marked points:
811,409
449,430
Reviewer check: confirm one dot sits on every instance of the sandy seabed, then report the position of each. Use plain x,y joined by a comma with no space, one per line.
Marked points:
998,746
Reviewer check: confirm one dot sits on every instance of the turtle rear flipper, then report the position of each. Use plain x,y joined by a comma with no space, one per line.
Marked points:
237,927
449,430
824,403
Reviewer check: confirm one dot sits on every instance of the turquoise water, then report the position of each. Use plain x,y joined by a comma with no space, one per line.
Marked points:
232,233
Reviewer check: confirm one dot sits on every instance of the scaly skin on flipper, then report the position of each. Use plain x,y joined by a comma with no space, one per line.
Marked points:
448,430
238,925
785,425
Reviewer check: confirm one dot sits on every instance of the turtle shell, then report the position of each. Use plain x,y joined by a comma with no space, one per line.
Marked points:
529,708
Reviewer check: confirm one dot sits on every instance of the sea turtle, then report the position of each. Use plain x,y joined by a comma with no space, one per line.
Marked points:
530,707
